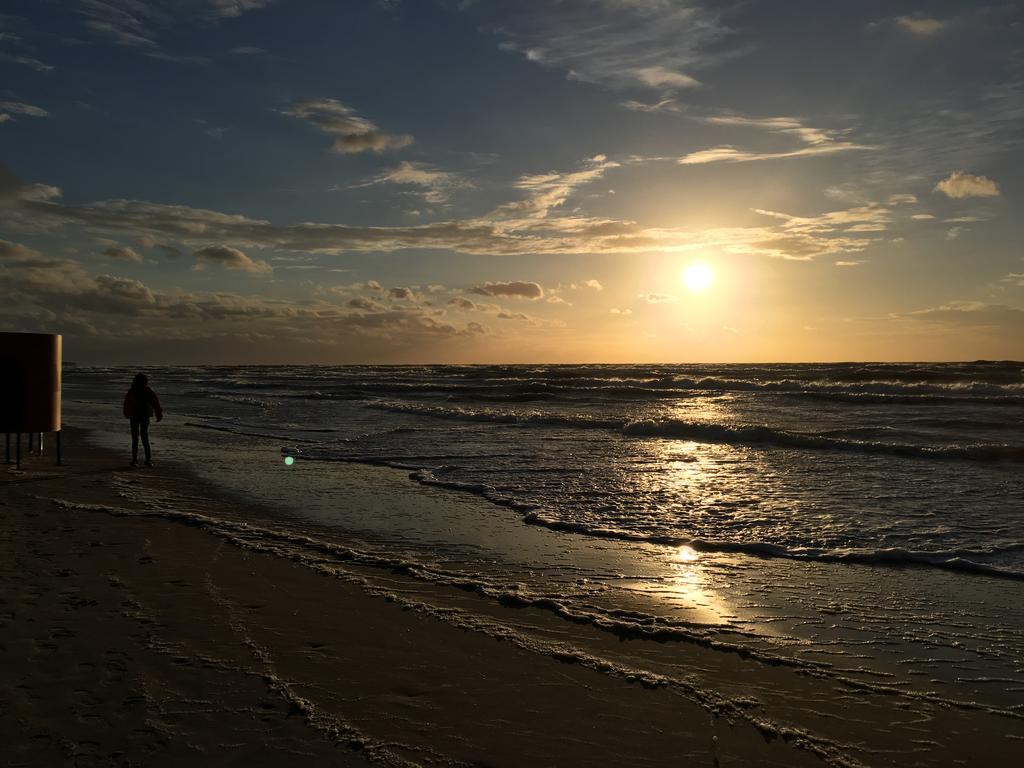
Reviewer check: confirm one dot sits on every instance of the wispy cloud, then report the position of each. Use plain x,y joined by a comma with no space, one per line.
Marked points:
140,23
536,225
620,43
229,9
26,61
974,315
815,141
922,26
961,130
351,133
658,298
10,108
547,191
436,185
665,78
664,105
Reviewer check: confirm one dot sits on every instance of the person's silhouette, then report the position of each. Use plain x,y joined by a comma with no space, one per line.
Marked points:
140,404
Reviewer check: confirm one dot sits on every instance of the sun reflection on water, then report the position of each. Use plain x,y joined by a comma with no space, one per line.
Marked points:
686,554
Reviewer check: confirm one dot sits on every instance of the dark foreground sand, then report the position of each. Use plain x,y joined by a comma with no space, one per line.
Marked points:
143,641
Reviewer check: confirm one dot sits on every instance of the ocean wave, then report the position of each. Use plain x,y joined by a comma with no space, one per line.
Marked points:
238,399
951,560
235,430
753,435
954,560
857,384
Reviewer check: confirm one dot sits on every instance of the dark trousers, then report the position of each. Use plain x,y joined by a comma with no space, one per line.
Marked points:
140,427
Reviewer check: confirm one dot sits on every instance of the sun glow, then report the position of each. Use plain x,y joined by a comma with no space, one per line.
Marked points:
697,277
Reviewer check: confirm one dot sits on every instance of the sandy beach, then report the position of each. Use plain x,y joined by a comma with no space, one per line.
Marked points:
148,635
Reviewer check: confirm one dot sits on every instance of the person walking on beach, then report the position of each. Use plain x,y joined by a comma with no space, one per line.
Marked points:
140,404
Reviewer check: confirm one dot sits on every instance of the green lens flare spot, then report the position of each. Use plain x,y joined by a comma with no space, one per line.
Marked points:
289,460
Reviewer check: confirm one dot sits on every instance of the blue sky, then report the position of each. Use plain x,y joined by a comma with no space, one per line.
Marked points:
442,181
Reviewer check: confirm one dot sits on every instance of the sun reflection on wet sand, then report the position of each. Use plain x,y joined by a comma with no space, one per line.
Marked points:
683,590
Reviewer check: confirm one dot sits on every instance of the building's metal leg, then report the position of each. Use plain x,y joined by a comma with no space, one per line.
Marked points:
58,448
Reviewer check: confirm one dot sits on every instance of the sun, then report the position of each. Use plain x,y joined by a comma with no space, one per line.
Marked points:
698,277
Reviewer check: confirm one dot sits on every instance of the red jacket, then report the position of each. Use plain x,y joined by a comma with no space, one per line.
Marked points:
141,404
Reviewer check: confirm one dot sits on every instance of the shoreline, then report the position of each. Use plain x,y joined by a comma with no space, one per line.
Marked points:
447,676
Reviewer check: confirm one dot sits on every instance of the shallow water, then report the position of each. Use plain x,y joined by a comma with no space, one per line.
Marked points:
864,517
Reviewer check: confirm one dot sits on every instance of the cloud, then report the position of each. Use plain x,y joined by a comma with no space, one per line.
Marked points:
921,25
816,141
229,258
658,298
617,43
902,199
960,184
1014,278
514,316
515,289
801,238
537,225
783,125
47,294
139,23
365,304
550,190
403,294
662,77
975,315
17,251
229,9
26,61
131,23
665,105
617,311
246,50
351,133
922,217
122,253
177,58
437,185
593,285
9,108
462,303
849,263
954,232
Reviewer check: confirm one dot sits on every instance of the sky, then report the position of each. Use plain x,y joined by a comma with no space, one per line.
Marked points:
479,181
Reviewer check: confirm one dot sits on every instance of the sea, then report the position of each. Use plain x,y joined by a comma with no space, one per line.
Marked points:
864,521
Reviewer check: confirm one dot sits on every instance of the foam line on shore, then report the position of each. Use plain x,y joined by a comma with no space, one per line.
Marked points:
328,557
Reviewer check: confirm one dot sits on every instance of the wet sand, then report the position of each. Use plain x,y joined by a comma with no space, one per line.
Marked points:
131,638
